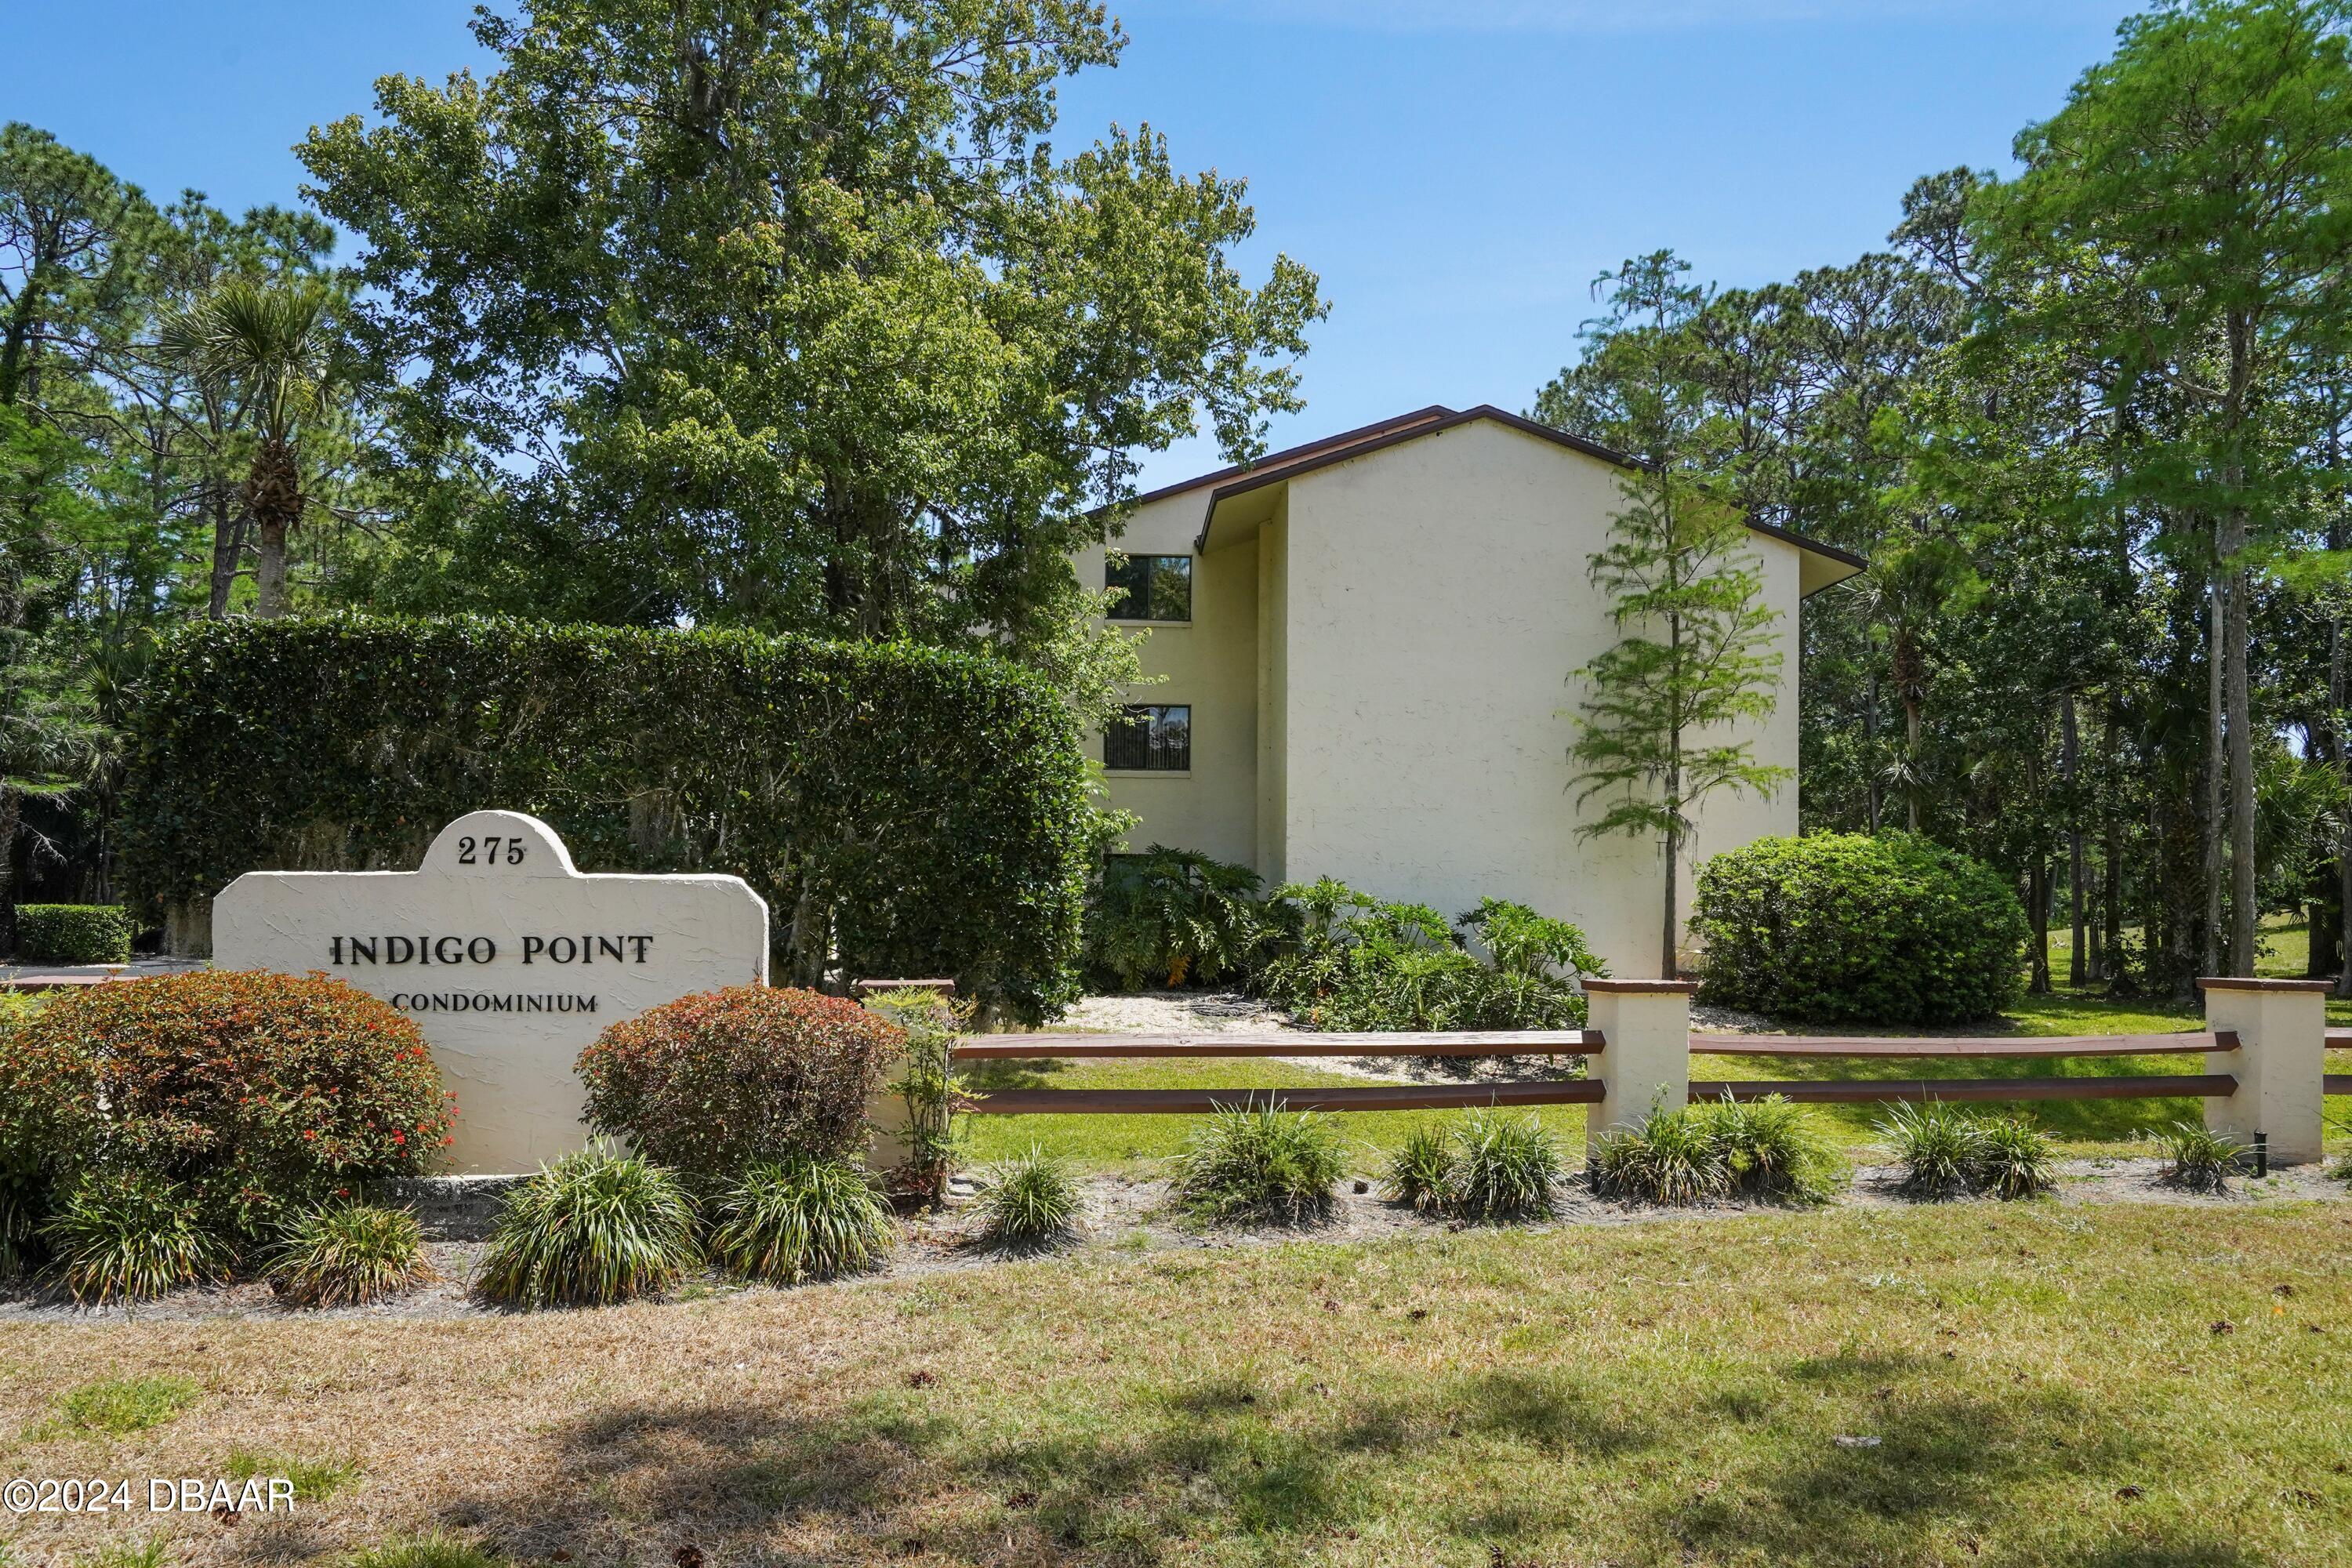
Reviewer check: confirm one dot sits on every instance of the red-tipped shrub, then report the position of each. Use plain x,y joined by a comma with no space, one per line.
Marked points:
254,1092
713,1084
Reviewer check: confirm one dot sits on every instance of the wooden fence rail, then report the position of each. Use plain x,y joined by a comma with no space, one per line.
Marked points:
1869,1091
1727,1045
1106,1047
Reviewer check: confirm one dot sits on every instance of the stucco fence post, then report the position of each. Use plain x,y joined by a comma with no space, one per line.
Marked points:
1645,1050
2281,1062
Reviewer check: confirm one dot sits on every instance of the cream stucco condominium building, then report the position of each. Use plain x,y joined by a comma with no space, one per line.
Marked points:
1366,643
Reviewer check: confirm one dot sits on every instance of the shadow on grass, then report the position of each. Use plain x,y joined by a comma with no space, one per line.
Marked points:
1516,1462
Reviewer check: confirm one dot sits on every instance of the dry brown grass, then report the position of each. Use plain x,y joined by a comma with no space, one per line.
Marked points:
1668,1393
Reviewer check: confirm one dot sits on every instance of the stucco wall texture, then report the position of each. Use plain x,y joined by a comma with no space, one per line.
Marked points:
1378,666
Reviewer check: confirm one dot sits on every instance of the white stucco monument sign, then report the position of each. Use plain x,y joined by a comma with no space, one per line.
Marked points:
509,960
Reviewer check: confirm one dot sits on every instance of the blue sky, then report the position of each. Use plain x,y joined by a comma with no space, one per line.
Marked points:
1456,170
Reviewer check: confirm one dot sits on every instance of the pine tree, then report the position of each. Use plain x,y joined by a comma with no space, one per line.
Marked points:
1664,707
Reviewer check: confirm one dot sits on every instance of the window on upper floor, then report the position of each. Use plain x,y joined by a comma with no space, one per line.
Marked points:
1154,739
1159,588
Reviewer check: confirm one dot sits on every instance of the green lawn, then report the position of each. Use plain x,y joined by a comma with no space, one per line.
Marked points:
2028,1386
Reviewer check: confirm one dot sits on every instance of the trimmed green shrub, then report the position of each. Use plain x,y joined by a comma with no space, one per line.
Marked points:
1772,1149
1171,918
73,933
1030,1200
1670,1157
346,1253
1833,928
903,810
592,1228
713,1084
1421,1173
2199,1159
802,1219
128,1236
1504,1167
1258,1163
253,1093
1361,962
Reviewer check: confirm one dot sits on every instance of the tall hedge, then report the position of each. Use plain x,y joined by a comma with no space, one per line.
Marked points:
913,811
1847,928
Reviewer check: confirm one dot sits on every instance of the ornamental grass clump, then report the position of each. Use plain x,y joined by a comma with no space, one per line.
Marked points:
1672,1157
1258,1163
1504,1167
2014,1158
2199,1159
1421,1173
348,1253
802,1219
129,1236
592,1228
1939,1147
1031,1201
1772,1149
714,1084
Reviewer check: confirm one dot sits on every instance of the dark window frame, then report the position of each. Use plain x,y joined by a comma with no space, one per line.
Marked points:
1148,739
1144,586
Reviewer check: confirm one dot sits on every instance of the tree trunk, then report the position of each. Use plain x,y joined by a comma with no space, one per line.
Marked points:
12,812
2037,900
228,547
269,575
2238,702
2339,695
1869,752
2215,777
273,494
2077,862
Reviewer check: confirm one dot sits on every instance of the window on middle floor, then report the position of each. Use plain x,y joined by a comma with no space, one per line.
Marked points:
1159,588
1151,739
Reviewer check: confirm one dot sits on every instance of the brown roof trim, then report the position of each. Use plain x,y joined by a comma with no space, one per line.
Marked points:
1413,427
1435,411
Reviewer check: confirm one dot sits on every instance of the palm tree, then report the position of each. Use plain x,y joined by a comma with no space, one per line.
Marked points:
270,345
1910,585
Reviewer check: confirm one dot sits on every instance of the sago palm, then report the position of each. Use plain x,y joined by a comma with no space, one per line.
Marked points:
270,347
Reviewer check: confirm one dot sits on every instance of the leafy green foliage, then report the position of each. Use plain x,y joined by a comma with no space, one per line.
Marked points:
1669,1157
73,933
928,1086
1169,917
712,1084
1772,1149
1421,1172
251,1091
818,328
1845,927
1259,1163
2199,1158
591,1229
123,1406
1030,1200
1362,963
348,1253
1504,1167
802,1219
902,811
129,1236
